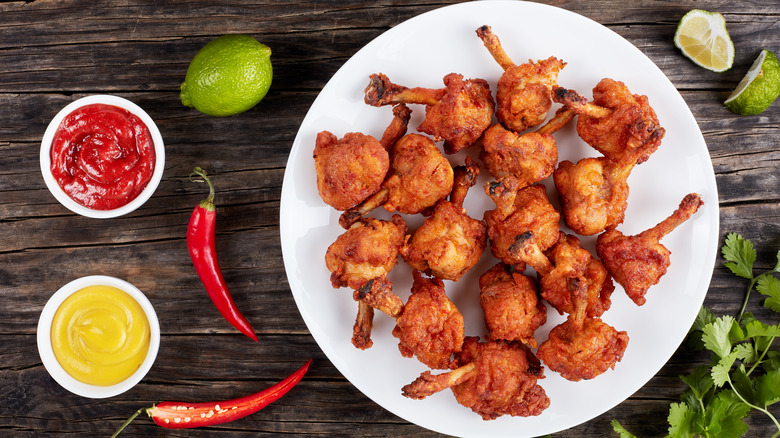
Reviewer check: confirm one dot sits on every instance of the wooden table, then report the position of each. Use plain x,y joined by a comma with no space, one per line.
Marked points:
52,52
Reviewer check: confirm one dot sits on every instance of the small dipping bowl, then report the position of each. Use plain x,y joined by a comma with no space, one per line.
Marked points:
46,351
59,193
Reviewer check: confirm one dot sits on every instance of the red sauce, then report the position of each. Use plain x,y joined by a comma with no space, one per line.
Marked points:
102,156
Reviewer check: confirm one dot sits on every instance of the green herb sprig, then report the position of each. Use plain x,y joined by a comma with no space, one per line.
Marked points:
744,373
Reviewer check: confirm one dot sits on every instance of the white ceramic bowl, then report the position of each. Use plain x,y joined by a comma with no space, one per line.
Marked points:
47,353
63,197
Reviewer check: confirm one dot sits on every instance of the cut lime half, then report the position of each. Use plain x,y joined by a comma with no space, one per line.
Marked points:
758,89
702,37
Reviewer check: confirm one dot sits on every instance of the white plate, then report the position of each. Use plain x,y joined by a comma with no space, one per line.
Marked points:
419,52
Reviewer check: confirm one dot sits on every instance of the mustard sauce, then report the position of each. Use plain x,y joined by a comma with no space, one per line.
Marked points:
100,335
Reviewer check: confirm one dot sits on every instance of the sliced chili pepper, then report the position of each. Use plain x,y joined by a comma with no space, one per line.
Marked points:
178,415
200,241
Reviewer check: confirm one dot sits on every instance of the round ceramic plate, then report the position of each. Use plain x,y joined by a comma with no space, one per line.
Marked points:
420,52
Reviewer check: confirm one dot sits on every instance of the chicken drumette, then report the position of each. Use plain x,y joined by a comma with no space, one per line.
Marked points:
430,327
449,242
566,268
582,347
593,193
510,302
530,157
492,378
638,262
360,259
518,212
457,114
523,94
617,123
352,168
419,176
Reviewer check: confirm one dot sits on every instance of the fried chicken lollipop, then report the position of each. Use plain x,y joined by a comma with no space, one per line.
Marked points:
582,347
530,157
617,123
449,243
457,114
510,302
523,94
418,178
430,327
360,259
593,193
492,378
638,262
519,211
564,269
352,168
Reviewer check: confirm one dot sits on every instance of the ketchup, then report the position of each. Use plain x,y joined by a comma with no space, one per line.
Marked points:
102,156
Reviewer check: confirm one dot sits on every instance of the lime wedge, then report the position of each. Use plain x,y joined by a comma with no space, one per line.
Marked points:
702,37
758,89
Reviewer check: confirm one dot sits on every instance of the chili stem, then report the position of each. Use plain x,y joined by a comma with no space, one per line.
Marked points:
129,420
202,174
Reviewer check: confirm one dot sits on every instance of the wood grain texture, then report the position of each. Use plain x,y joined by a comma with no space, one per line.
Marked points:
54,51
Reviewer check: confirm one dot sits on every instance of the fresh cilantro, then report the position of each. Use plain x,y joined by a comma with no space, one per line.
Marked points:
740,255
699,382
744,372
768,388
769,286
681,417
716,336
617,427
704,317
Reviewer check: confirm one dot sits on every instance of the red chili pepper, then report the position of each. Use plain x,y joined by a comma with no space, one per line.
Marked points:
178,415
200,241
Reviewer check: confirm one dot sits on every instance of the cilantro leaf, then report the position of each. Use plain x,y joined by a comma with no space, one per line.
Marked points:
742,384
737,334
769,286
722,370
746,352
730,414
740,254
768,388
771,362
777,266
704,317
762,334
617,427
699,381
716,335
680,421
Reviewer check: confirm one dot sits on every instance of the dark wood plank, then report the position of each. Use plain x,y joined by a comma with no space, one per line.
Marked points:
54,52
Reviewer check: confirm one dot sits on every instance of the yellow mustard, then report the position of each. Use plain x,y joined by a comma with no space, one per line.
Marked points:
100,335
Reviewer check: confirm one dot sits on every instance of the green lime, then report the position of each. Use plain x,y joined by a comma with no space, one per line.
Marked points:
229,75
702,37
758,89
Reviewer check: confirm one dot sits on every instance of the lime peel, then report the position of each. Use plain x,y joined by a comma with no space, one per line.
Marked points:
758,89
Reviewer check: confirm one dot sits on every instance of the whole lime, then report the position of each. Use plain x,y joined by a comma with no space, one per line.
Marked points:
229,75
